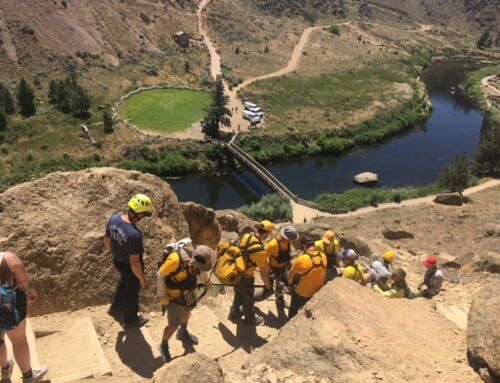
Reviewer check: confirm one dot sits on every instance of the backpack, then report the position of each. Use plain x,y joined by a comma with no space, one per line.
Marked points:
316,263
233,259
9,316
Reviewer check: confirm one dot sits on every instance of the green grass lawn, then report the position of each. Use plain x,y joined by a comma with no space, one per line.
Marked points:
165,110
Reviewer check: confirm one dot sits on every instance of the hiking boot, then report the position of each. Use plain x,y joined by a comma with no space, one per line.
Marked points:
7,372
141,321
185,336
36,374
254,321
234,315
165,352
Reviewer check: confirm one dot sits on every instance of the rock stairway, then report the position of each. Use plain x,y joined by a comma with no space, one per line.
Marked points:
89,344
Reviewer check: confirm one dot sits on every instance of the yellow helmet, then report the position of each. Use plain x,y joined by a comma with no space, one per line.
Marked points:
141,203
266,226
389,256
329,237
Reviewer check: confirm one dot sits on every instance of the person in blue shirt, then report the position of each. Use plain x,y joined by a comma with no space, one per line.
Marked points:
124,240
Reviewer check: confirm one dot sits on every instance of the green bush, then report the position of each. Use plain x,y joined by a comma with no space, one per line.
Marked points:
456,177
334,30
353,199
273,207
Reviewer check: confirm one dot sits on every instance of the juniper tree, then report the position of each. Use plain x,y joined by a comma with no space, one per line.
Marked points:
6,100
26,99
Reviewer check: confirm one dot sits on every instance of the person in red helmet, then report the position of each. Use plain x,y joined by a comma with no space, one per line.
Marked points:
433,279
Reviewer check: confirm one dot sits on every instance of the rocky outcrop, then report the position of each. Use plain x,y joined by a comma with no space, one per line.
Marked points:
194,367
202,223
394,234
56,225
232,220
448,260
366,178
342,335
489,262
483,338
358,245
452,199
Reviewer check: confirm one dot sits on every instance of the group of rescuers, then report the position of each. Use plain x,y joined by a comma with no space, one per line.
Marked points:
185,269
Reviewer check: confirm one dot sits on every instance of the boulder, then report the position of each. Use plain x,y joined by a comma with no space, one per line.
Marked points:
447,260
229,236
194,367
452,199
366,178
358,245
483,337
489,262
203,225
396,234
232,220
56,225
343,334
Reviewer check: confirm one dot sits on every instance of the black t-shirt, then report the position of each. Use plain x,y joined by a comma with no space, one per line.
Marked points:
126,239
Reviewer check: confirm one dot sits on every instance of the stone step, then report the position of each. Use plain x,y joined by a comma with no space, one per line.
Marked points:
74,351
35,360
454,314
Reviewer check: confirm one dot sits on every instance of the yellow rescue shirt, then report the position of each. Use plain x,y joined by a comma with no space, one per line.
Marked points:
169,269
257,254
393,292
273,250
311,269
354,272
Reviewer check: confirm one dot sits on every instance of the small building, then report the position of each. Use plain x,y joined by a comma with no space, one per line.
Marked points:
181,38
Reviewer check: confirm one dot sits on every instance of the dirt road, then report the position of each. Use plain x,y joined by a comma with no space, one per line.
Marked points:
489,89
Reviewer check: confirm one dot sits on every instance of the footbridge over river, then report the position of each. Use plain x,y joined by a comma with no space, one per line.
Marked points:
301,208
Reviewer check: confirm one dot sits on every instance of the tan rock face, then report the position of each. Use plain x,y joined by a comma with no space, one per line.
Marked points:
483,337
348,333
203,224
56,225
192,368
232,220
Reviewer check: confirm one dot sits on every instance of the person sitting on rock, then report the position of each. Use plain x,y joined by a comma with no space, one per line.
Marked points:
307,275
177,282
331,247
352,268
244,302
433,279
278,250
398,287
380,271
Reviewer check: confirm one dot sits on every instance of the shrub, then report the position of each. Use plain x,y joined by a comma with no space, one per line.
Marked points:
26,99
334,30
456,176
273,207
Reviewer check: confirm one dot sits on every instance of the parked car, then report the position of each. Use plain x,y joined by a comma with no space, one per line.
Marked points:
249,104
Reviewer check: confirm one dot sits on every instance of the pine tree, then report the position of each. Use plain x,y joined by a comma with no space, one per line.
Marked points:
210,125
107,118
456,176
218,114
6,100
26,99
80,103
3,120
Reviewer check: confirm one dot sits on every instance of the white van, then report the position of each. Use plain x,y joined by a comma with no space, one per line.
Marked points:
249,104
250,116
257,110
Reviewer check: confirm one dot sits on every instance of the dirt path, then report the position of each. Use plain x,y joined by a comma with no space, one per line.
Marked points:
300,212
485,82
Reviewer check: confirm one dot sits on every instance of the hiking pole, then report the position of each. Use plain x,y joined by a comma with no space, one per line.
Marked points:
228,285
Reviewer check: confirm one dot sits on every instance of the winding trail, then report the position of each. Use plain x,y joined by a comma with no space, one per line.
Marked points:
301,212
485,82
